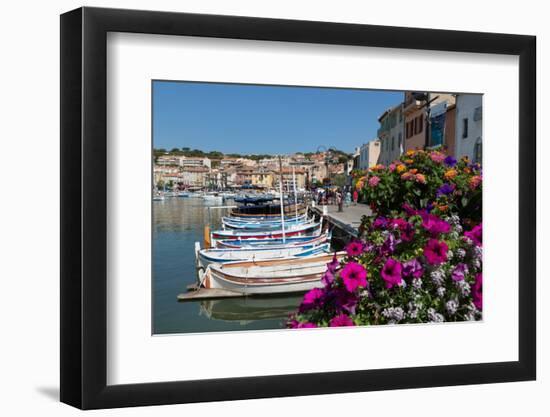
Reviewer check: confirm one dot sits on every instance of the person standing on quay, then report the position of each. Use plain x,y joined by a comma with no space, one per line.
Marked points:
355,197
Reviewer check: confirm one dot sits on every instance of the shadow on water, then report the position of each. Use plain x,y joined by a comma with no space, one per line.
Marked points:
177,224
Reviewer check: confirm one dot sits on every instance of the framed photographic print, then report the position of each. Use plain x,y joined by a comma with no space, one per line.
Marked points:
258,207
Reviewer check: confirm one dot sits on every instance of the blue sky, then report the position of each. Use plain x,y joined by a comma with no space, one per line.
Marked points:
254,119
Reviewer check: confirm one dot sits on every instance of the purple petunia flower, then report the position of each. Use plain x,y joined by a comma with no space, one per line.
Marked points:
380,223
458,273
391,273
354,275
388,247
412,269
328,278
341,320
445,189
450,161
333,265
435,252
344,301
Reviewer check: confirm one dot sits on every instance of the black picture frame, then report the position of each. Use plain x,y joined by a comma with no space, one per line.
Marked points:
84,207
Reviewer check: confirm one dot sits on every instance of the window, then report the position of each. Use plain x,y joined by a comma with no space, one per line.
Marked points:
400,141
478,151
464,128
393,143
419,121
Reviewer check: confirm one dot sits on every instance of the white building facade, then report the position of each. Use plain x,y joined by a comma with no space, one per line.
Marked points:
391,134
369,154
469,117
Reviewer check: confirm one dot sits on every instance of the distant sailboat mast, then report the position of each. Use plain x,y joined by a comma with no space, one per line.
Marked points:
295,194
282,199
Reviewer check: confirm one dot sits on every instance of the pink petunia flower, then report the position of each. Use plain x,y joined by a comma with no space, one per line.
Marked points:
354,275
355,248
476,235
435,252
373,181
434,225
392,273
313,298
477,292
341,320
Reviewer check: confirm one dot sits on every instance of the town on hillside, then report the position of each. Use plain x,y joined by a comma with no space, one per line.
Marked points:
449,122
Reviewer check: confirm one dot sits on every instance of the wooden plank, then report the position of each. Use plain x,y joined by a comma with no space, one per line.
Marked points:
208,294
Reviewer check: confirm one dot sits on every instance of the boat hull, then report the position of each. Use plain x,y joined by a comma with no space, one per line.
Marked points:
206,257
268,277
274,243
298,230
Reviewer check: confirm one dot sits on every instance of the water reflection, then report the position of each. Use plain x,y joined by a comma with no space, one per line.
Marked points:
177,224
250,308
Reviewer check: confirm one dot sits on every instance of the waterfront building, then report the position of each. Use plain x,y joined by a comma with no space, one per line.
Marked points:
195,162
390,134
369,154
450,130
288,179
257,177
469,114
169,160
194,176
440,133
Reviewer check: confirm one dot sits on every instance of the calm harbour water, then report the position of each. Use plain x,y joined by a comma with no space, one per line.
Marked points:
177,224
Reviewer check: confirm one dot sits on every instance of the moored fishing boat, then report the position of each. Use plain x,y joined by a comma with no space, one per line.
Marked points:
316,238
275,220
268,210
268,276
205,257
288,231
264,226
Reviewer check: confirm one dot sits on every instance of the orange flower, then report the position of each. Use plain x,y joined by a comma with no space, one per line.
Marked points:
410,152
450,174
443,208
407,176
408,161
400,168
421,178
413,171
467,170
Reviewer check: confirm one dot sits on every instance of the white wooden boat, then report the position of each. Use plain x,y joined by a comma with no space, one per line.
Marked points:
289,231
315,238
265,226
268,276
262,221
212,197
158,197
205,257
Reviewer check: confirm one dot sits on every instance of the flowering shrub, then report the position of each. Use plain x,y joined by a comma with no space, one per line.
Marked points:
424,179
412,267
